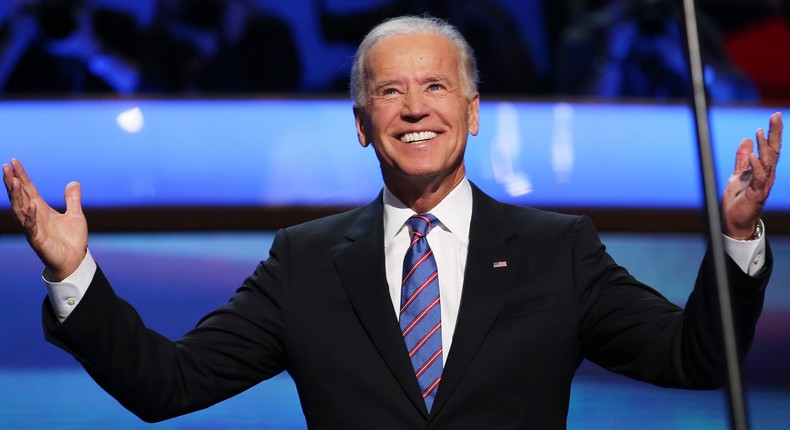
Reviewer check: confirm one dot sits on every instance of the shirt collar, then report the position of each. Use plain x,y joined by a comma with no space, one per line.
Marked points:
454,212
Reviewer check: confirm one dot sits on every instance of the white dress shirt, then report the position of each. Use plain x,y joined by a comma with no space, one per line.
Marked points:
449,243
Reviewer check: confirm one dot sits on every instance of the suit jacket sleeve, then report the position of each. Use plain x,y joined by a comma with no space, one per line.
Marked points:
230,350
629,328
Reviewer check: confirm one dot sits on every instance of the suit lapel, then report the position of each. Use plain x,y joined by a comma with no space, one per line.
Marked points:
366,286
486,283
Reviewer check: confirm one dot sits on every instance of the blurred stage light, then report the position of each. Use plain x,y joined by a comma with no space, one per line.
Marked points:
131,121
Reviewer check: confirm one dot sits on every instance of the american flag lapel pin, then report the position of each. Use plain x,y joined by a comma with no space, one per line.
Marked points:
499,264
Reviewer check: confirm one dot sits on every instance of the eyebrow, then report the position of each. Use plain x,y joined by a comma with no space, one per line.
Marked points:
382,84
438,78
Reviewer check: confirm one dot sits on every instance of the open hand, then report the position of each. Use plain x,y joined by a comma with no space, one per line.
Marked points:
60,240
751,182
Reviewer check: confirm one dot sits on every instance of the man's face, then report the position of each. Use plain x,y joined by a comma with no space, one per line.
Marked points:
417,116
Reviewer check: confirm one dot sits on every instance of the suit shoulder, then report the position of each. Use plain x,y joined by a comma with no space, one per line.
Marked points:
335,227
340,218
523,217
542,219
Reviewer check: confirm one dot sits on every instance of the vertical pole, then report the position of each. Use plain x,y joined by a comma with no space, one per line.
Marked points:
738,418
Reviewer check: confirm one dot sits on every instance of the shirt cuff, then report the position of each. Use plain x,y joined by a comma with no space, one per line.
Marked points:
749,255
66,294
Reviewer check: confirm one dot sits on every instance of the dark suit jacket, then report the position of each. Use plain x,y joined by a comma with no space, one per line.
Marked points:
319,308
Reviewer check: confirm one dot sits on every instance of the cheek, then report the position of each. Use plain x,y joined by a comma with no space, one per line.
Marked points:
385,156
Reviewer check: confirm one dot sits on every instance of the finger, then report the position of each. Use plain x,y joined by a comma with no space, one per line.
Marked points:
29,221
775,128
767,154
24,179
73,197
12,188
742,160
19,201
759,174
769,147
8,177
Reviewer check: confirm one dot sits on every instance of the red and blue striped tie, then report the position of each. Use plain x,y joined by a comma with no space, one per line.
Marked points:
420,313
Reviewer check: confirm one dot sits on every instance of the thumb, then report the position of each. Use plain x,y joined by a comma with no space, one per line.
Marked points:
73,197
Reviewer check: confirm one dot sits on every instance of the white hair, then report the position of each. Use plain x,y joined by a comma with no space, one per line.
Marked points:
406,25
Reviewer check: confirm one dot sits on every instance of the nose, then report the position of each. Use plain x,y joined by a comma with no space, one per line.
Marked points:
415,106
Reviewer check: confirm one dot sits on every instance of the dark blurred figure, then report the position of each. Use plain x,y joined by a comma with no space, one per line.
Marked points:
55,47
219,46
504,58
635,49
752,31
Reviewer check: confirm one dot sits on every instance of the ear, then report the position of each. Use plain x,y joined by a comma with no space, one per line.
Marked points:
361,119
473,114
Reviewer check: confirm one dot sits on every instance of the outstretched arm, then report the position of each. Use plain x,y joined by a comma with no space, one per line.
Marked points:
59,239
751,182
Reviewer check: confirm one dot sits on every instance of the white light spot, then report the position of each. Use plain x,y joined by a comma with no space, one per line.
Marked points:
505,150
131,121
562,149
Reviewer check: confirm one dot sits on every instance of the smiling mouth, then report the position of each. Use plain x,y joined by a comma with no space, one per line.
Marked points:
418,136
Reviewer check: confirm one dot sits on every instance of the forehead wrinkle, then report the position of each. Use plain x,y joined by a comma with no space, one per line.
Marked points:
386,67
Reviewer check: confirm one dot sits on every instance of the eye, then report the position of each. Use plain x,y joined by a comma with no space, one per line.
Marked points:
435,87
388,92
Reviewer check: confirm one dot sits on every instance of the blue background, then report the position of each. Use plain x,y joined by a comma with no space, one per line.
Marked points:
305,152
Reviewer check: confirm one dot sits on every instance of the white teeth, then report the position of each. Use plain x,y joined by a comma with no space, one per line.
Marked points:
418,136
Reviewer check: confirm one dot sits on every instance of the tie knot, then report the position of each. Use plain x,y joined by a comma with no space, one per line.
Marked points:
421,224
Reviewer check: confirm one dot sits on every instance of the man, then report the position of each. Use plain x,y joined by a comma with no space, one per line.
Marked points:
523,295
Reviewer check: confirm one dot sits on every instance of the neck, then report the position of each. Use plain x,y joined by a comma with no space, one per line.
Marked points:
423,194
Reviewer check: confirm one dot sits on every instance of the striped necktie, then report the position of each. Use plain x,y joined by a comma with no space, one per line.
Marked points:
420,313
